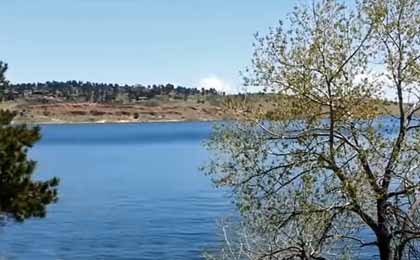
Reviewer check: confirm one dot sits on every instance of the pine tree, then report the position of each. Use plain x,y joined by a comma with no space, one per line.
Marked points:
21,197
3,81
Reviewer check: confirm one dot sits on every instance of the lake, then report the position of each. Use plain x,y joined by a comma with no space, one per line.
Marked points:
128,191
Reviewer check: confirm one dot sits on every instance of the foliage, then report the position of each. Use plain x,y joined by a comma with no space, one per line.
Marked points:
100,92
3,81
322,176
21,197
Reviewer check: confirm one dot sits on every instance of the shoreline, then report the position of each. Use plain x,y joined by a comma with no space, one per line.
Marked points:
114,122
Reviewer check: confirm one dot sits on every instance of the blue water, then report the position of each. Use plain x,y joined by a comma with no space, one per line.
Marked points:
128,191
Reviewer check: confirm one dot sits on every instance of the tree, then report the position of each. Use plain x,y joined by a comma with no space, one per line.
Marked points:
317,172
21,197
3,81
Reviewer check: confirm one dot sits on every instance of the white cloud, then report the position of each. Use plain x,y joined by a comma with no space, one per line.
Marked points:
218,84
379,80
387,88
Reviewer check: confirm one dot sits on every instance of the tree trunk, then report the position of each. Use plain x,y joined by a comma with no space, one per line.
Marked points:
384,245
382,232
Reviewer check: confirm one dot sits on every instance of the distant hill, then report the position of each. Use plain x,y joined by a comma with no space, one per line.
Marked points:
78,91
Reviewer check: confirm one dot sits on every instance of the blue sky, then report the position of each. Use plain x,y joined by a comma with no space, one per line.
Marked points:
191,43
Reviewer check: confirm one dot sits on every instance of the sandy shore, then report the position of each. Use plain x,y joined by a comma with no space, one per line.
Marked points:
110,122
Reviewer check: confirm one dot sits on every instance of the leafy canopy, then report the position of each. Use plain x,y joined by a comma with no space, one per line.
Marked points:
316,172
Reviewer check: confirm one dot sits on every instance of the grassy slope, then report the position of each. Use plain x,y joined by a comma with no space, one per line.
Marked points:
194,109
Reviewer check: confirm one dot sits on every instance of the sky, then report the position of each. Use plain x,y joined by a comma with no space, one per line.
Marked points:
197,43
